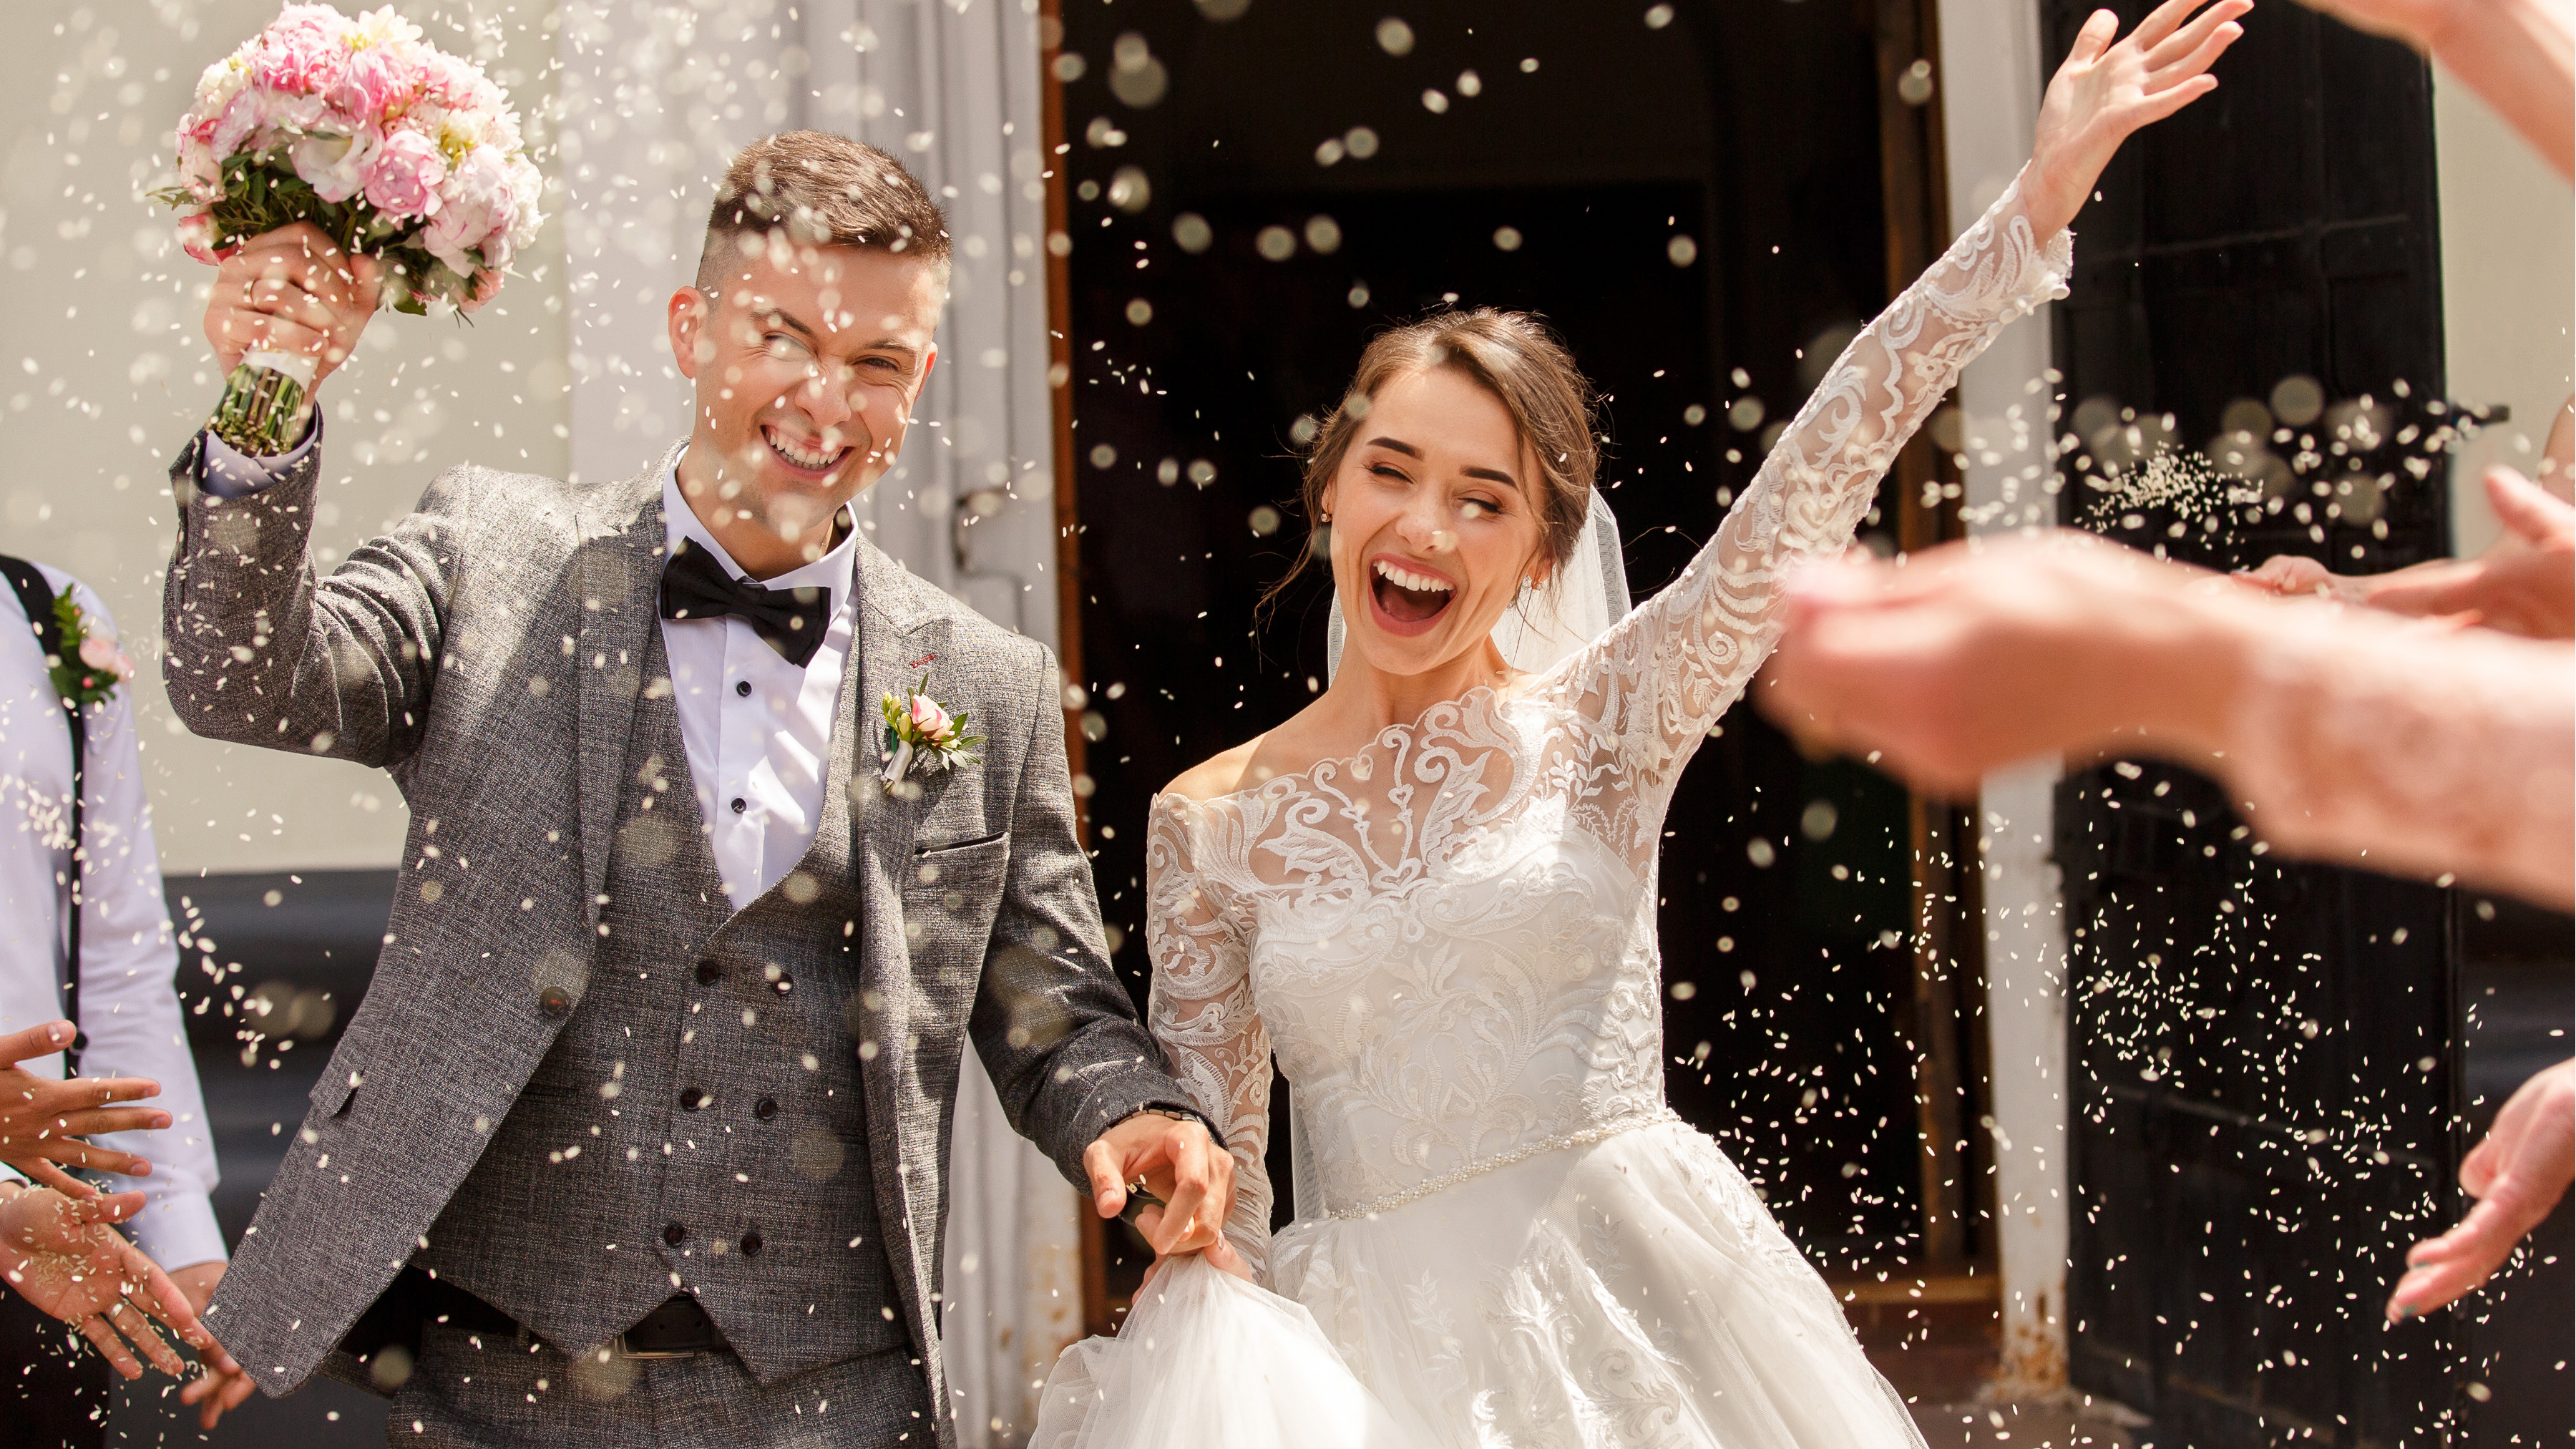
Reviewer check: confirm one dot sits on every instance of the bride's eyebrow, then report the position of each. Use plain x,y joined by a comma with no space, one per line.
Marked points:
1490,475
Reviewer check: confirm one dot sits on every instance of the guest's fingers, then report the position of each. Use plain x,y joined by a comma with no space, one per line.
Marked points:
2531,512
110,1347
136,1325
36,1041
116,1207
45,1174
102,1091
231,1389
72,1152
93,1121
2443,1270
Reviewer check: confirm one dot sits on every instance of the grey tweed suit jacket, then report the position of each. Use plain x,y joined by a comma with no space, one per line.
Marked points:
488,653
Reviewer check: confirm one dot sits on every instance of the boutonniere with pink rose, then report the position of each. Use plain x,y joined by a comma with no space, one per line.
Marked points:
923,734
91,666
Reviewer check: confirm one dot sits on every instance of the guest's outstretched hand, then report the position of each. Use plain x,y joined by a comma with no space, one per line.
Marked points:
2530,590
2525,587
2113,85
2517,1174
42,1119
61,1255
1967,657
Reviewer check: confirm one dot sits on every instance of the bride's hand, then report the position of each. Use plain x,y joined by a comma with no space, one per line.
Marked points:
1221,1253
2107,90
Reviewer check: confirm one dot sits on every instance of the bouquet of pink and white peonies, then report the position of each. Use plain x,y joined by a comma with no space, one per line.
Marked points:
391,147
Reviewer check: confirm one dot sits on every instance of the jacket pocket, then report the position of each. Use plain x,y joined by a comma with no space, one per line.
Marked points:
955,846
338,1089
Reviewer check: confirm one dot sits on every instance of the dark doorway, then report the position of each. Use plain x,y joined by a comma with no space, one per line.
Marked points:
2266,1056
1693,196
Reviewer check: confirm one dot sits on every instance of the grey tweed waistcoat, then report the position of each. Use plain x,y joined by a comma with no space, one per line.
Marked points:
699,1124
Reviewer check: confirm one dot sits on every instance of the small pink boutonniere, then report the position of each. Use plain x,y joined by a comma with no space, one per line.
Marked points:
91,666
921,733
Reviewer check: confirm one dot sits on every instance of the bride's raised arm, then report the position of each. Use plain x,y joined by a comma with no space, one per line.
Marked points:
1202,1013
1659,679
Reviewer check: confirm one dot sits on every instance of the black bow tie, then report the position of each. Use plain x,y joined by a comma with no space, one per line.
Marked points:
791,621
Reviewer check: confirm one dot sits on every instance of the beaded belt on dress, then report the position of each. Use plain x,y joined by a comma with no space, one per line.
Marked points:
1583,1137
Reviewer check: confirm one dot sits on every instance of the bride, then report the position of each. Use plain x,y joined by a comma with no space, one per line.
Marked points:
1432,895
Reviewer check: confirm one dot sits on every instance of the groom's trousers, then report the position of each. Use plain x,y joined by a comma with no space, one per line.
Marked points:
489,1391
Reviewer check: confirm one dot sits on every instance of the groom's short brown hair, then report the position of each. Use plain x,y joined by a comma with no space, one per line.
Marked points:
819,189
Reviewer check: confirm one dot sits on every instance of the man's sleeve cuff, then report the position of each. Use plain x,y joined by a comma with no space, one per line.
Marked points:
180,1230
224,471
1186,1109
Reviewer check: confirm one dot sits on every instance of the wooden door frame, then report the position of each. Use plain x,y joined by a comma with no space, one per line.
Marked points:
1946,908
1097,1319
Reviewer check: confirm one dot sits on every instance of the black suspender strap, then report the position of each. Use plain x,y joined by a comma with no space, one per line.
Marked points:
37,597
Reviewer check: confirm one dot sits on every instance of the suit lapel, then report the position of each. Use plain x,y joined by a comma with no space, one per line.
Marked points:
885,640
619,570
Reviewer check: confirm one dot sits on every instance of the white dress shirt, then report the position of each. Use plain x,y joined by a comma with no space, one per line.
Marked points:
129,1001
758,729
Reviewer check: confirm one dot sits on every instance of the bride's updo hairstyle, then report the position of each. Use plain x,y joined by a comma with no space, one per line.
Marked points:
1512,355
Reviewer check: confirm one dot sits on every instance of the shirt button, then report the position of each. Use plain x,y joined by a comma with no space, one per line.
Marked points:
674,1234
738,805
765,1108
742,687
692,1099
556,1002
751,1243
708,971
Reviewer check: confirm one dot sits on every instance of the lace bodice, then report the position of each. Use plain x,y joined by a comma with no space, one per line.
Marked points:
1449,938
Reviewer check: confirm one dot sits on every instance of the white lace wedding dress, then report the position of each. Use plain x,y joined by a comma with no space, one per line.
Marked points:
1449,942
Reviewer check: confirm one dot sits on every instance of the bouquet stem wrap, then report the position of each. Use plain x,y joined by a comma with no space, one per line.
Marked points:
266,403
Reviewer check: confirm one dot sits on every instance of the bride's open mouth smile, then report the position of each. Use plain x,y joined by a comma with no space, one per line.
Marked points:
809,460
1407,599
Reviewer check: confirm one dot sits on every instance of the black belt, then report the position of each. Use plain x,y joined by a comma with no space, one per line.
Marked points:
680,1328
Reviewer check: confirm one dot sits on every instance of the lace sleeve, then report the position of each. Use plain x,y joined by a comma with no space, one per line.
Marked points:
2402,749
1202,1013
1656,682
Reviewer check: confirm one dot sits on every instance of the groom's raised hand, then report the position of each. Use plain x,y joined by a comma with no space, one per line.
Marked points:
292,290
1180,1164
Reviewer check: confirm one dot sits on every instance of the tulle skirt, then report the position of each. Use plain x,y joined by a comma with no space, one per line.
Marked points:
1633,1291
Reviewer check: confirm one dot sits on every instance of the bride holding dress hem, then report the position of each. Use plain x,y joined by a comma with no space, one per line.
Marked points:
1431,894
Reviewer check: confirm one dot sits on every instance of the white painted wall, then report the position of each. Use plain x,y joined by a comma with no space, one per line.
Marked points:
105,371
2508,291
1991,83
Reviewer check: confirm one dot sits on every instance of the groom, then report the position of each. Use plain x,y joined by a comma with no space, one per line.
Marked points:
640,1135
